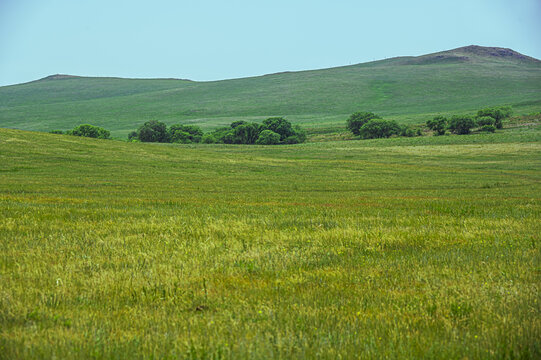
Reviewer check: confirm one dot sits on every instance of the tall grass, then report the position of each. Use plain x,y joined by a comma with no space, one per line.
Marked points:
400,248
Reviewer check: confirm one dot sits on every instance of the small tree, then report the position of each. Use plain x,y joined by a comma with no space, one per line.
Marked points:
153,131
358,119
438,125
279,125
379,128
246,133
497,113
268,137
461,125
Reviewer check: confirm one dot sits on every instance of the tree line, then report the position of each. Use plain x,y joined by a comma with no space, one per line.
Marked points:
272,131
486,120
368,125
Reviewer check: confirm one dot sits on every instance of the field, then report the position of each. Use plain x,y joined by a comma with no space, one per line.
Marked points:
409,90
397,248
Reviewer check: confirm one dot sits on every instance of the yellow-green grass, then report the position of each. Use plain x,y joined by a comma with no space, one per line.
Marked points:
398,248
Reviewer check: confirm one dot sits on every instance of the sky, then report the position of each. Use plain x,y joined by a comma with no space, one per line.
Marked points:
223,39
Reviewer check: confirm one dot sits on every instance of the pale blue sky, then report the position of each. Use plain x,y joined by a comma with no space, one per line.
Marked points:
210,39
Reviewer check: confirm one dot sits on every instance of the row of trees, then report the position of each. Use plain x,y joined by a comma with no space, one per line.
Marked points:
86,130
368,125
272,131
488,120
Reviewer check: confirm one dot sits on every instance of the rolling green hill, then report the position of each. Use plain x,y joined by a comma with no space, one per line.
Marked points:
407,89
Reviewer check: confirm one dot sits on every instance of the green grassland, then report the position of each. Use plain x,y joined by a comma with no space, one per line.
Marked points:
397,248
406,89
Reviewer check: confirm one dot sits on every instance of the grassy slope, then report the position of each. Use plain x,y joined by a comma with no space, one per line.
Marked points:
405,89
398,248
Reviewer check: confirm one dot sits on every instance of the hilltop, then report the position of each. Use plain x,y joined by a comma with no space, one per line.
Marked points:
407,89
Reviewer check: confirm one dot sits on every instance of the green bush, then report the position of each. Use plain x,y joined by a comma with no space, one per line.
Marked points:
153,131
358,119
280,126
461,125
208,139
268,137
497,113
245,133
91,131
56,132
292,140
487,128
485,120
438,125
185,134
407,131
379,128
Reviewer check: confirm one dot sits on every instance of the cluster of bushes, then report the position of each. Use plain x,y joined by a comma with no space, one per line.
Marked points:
368,125
271,132
86,130
486,120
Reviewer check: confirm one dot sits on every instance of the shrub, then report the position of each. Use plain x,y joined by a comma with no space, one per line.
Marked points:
153,131
461,125
91,131
437,125
379,128
497,113
185,134
246,133
292,140
485,120
56,132
132,136
208,139
358,119
407,131
268,137
280,126
488,128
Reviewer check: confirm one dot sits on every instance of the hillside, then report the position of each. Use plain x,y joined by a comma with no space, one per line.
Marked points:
408,89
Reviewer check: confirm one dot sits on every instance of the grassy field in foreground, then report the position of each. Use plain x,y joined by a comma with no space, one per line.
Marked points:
399,248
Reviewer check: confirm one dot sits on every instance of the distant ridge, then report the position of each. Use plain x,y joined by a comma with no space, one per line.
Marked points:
471,53
407,89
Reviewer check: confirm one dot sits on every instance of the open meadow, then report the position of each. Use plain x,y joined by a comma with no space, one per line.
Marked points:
395,248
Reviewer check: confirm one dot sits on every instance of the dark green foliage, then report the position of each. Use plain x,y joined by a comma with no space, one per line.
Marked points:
268,137
185,134
379,128
56,132
234,124
132,136
280,126
488,128
497,113
208,139
153,131
407,131
246,133
358,119
91,131
461,125
292,140
243,132
485,120
438,125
